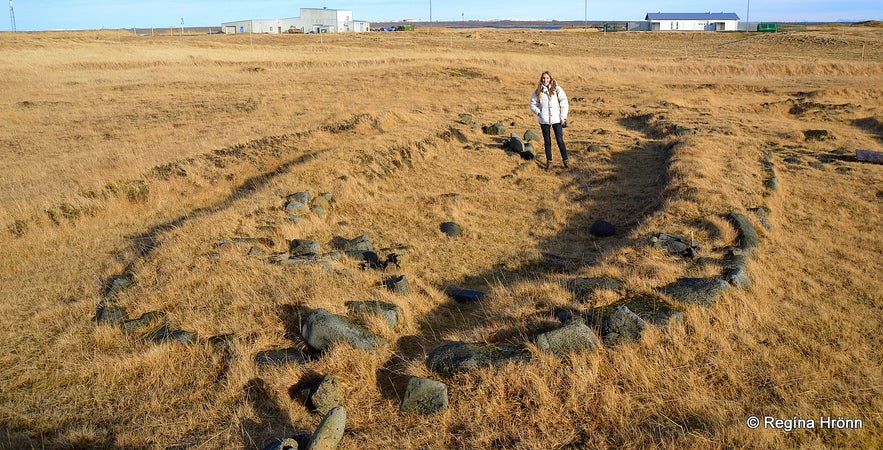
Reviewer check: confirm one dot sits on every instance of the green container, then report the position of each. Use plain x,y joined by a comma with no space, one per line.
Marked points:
768,27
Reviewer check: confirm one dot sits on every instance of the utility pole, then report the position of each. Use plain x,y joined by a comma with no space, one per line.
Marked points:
182,26
586,25
11,16
747,10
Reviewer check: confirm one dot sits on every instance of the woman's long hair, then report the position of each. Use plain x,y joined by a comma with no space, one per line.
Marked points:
553,85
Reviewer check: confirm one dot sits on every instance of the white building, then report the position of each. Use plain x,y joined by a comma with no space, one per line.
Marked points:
311,20
692,21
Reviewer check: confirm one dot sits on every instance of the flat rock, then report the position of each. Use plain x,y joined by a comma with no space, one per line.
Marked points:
583,287
321,330
392,314
575,336
465,295
280,357
702,291
455,357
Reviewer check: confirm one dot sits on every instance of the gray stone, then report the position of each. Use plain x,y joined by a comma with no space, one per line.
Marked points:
674,244
465,119
302,197
575,336
110,314
391,314
117,284
295,218
330,431
531,135
424,396
294,206
133,325
602,228
166,334
623,325
496,129
465,295
318,210
326,395
280,357
398,284
748,239
451,229
703,291
358,243
816,135
760,212
738,277
649,309
515,143
583,287
455,357
304,247
321,330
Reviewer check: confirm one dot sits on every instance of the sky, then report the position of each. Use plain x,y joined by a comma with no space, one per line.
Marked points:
112,14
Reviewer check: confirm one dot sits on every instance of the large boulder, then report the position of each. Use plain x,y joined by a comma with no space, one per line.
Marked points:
321,330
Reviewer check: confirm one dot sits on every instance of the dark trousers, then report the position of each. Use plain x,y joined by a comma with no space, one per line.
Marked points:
559,138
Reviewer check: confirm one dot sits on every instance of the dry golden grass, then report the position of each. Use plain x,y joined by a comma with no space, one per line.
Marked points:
124,153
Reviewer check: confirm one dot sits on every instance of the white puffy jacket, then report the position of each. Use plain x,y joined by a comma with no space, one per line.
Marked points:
550,108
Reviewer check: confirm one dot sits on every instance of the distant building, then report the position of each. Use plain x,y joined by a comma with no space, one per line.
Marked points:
311,20
692,21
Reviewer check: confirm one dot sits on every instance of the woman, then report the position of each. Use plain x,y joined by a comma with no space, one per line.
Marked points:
549,103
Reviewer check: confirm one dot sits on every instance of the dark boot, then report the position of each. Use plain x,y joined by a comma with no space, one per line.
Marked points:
548,166
566,166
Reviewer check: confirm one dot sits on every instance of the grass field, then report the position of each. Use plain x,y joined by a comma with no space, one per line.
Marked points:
147,156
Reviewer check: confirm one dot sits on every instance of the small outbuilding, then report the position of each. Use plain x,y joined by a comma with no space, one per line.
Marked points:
692,21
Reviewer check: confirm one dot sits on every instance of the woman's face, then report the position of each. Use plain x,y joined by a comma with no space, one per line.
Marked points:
546,79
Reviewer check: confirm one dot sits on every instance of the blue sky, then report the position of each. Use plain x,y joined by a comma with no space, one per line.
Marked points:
94,14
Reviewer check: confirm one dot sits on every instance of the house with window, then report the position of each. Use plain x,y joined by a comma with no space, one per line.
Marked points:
692,21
